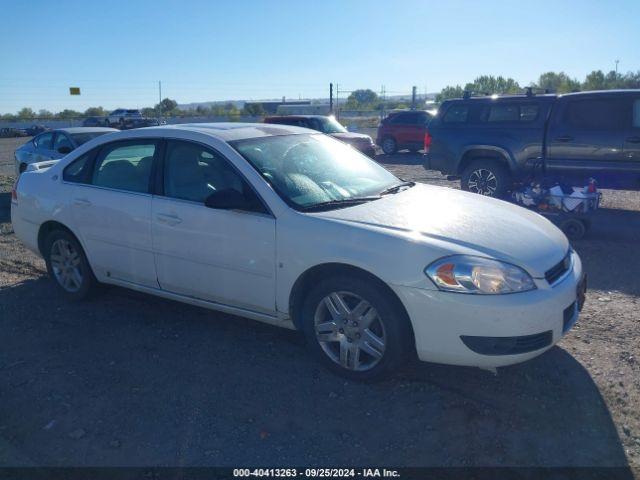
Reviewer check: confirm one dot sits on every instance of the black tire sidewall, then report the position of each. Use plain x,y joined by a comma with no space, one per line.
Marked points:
499,171
395,145
88,279
396,324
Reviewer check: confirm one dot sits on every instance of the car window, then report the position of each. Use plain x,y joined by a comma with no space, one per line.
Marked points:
594,114
315,124
77,171
43,141
84,137
400,119
62,141
456,114
125,166
636,113
509,112
193,172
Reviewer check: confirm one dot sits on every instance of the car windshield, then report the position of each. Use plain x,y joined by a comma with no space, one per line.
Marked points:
331,125
311,169
84,137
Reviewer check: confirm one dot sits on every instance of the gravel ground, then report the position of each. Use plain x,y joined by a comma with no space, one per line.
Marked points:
129,379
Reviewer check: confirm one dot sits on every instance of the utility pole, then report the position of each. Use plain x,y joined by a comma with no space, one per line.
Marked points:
413,97
331,98
159,100
382,95
617,66
337,100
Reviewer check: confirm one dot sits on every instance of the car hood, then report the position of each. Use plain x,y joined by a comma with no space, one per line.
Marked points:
462,222
351,137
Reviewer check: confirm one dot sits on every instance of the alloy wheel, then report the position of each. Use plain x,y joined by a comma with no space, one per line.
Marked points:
483,181
350,331
66,265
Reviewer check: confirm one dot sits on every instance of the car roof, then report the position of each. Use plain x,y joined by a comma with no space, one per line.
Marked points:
72,130
230,131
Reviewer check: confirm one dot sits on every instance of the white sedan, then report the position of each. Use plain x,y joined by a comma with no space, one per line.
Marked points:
296,229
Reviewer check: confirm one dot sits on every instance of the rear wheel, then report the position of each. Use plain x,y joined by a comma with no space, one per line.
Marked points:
68,265
389,145
486,177
355,327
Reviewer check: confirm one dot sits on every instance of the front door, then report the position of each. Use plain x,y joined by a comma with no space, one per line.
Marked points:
224,256
586,138
112,212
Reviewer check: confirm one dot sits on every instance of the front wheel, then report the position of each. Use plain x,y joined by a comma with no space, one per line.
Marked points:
355,327
68,266
486,177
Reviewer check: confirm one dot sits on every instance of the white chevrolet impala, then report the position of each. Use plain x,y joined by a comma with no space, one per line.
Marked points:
294,228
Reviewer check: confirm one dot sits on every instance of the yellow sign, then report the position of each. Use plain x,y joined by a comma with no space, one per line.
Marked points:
74,90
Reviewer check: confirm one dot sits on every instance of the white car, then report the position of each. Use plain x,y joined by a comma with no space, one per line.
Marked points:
291,227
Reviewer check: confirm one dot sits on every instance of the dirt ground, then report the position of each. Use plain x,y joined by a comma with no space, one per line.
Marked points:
129,379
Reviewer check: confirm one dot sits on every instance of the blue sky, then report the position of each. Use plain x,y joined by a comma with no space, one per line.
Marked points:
117,50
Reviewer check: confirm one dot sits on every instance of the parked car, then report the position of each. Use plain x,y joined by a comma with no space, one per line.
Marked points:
10,132
120,116
34,130
403,130
368,267
139,123
330,126
94,121
494,142
55,144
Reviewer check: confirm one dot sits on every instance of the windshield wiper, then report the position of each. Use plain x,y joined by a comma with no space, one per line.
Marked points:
396,188
344,202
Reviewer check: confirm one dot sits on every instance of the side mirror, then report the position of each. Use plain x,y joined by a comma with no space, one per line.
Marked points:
64,149
228,199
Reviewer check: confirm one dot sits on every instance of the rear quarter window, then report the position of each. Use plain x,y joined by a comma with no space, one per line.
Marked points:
456,114
509,113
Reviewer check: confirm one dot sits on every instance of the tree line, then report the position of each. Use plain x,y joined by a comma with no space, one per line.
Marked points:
366,99
166,108
554,82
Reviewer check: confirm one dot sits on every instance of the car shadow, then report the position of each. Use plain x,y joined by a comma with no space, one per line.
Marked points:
5,207
130,379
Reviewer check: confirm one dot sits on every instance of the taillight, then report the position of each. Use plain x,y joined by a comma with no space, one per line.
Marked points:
427,141
14,191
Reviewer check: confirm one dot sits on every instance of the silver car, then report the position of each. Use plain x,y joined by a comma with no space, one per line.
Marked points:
55,144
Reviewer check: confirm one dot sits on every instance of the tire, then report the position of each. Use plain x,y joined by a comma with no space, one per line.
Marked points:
486,177
67,265
367,344
573,228
389,145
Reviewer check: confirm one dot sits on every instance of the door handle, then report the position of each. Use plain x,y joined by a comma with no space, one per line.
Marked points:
81,202
564,138
168,219
633,140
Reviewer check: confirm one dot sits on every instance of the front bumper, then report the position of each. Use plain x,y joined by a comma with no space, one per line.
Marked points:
440,320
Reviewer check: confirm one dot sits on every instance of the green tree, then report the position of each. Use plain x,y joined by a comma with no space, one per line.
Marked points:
557,82
489,84
167,106
67,114
149,112
449,92
95,112
363,99
42,113
26,113
253,109
596,80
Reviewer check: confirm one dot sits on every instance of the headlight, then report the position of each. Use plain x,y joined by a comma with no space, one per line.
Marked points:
469,274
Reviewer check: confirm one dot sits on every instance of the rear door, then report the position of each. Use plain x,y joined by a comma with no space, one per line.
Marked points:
586,138
112,212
